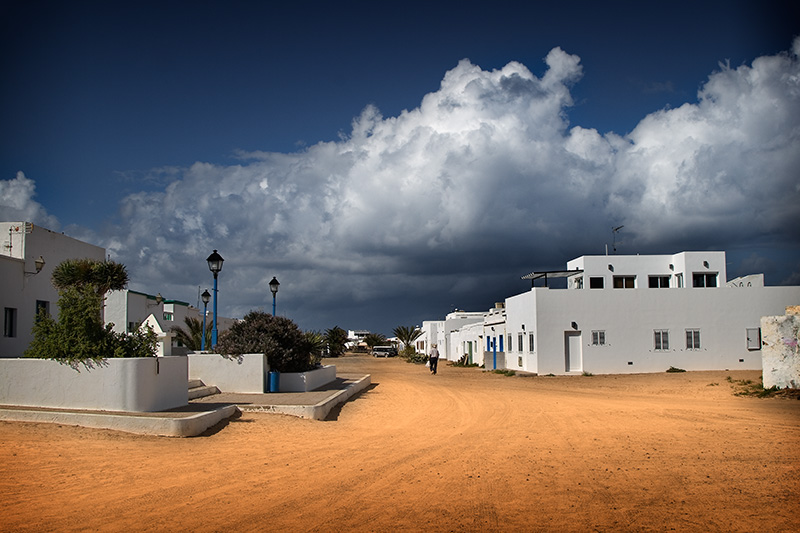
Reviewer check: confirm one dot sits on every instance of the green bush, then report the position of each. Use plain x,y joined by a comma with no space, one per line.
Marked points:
287,348
79,335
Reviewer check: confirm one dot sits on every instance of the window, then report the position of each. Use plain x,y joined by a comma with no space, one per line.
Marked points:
596,283
702,279
753,338
659,282
530,342
42,309
10,322
661,339
167,316
624,282
692,339
519,342
510,344
598,338
679,280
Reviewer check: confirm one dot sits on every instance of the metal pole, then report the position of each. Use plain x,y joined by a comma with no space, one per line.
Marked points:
203,334
273,303
214,331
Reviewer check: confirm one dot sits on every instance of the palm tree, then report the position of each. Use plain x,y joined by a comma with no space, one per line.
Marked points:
100,276
374,339
407,335
190,337
336,338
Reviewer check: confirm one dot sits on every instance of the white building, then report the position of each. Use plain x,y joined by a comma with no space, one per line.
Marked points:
28,255
626,314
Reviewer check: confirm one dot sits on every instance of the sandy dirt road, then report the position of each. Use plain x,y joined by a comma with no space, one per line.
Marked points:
465,450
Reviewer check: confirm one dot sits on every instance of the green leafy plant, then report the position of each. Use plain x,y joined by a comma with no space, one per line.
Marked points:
336,339
375,339
407,335
673,370
191,337
287,348
79,335
587,374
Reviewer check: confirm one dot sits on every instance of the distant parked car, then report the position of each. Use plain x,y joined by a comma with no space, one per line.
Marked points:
384,351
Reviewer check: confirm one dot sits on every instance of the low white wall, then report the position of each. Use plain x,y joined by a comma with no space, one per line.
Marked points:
307,381
780,352
247,373
137,384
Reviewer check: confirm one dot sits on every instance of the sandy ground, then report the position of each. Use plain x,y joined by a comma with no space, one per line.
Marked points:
465,450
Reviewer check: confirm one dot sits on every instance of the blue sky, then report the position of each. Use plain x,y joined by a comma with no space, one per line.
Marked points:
295,139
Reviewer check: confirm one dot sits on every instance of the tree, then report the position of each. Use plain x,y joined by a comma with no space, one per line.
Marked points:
316,345
100,276
191,337
336,338
375,339
407,335
79,335
278,337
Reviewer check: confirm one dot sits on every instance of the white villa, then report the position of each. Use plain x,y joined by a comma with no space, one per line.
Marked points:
625,314
29,253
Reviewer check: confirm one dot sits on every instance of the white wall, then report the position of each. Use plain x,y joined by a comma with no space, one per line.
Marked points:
137,384
247,373
629,317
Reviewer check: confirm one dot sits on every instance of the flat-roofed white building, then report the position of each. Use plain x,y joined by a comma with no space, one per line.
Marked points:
628,314
28,255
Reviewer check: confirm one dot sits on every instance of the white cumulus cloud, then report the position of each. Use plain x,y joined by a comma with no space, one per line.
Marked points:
17,203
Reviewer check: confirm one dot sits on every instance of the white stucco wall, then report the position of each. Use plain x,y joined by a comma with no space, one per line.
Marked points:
247,373
629,317
781,350
137,385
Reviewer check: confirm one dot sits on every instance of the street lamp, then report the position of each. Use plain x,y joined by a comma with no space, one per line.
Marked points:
206,298
273,286
215,266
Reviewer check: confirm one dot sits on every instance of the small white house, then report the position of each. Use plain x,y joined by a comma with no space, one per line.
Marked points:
28,255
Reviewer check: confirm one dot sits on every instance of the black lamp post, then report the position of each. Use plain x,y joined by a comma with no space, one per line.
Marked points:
206,298
215,266
273,286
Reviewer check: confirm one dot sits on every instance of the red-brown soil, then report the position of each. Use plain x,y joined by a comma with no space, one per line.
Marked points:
465,450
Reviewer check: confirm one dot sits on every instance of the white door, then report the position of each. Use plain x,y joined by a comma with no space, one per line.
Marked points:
572,351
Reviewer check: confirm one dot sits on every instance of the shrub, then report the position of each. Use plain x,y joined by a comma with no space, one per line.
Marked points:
79,335
336,338
287,348
673,370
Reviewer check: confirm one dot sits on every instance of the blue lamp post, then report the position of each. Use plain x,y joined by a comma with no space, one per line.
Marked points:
215,266
273,286
206,298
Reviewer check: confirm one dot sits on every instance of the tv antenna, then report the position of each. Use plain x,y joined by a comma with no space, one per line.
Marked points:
614,232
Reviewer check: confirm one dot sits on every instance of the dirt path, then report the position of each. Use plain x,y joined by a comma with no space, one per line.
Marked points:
464,450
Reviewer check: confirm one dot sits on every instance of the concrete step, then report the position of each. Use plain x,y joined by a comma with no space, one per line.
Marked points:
202,391
194,383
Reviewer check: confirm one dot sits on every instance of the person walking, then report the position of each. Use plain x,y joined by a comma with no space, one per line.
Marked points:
434,359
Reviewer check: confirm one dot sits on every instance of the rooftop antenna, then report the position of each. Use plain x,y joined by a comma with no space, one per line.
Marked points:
614,232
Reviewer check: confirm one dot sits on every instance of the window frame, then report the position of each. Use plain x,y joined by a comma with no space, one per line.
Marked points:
661,340
700,280
623,282
10,322
531,345
661,281
693,339
594,281
598,337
